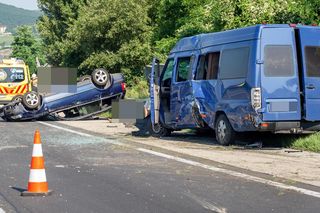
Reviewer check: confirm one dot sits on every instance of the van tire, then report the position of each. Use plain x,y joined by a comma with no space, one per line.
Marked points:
225,134
157,130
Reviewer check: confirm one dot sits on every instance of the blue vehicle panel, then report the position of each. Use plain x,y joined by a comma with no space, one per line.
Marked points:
280,93
86,93
310,40
261,78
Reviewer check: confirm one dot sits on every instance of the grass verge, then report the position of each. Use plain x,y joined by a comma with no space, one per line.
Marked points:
308,142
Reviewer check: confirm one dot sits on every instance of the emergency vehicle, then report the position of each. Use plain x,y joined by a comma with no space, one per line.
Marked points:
14,80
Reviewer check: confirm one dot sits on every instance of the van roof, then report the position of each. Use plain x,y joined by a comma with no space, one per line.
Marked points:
217,38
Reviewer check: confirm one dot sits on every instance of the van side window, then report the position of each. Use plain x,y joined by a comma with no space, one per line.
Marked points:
234,63
313,61
183,69
278,61
208,66
167,75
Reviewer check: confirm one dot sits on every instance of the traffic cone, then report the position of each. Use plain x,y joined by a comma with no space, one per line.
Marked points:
37,185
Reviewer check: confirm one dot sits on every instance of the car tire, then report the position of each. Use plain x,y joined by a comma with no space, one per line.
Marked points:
101,78
17,98
225,134
157,130
31,100
84,78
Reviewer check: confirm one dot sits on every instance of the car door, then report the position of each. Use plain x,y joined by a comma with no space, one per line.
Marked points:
279,75
182,98
310,52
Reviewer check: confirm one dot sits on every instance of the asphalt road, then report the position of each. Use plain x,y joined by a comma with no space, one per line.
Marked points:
91,173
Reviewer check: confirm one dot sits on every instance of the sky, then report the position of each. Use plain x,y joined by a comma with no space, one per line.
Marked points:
25,4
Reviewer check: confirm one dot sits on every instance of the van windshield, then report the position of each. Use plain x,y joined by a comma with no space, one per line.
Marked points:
11,75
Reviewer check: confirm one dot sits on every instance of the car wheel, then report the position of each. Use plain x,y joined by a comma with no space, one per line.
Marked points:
31,100
101,77
17,98
84,78
157,130
225,134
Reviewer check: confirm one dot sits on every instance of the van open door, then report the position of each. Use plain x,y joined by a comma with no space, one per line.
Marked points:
309,38
279,76
155,91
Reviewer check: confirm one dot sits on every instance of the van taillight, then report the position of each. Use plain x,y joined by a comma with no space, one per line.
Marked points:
256,98
123,87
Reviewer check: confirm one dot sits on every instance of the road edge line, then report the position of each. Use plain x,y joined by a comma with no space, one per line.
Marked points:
201,165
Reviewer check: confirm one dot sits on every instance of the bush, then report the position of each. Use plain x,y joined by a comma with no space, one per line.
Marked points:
139,89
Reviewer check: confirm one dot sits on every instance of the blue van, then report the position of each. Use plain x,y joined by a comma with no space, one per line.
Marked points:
259,78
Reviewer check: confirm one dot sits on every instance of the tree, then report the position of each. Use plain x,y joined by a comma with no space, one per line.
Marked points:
58,16
113,34
27,47
177,19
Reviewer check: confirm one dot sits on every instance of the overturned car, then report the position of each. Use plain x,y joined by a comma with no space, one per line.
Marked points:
94,95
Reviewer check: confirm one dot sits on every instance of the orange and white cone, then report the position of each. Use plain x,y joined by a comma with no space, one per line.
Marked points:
37,185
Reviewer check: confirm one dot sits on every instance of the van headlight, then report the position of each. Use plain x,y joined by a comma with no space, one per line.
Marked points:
256,98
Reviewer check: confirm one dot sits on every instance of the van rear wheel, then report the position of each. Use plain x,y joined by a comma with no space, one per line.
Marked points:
225,134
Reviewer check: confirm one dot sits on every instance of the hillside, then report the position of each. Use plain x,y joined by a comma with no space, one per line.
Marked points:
12,16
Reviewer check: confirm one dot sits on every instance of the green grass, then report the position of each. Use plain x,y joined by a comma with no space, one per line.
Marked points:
107,114
307,142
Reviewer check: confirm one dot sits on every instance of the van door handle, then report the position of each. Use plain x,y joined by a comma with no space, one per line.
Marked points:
311,86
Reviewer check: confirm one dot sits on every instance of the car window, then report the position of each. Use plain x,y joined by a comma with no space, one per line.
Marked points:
313,61
183,69
278,61
234,63
208,66
11,75
167,75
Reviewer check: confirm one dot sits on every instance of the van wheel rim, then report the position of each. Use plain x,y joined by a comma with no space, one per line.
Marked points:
156,128
101,76
222,129
32,99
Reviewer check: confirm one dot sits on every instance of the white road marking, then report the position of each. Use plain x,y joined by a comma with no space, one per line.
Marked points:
12,147
65,129
234,173
205,204
201,165
2,211
82,134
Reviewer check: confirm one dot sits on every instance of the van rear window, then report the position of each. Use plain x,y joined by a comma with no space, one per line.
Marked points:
278,61
313,61
234,63
11,75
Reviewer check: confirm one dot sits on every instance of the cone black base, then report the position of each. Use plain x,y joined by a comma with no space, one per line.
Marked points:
33,194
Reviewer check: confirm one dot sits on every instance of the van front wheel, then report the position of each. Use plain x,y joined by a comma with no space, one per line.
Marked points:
157,130
225,134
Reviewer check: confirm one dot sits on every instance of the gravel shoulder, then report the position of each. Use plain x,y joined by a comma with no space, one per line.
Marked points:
297,166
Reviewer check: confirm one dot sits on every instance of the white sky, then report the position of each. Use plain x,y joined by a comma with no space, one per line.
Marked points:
25,4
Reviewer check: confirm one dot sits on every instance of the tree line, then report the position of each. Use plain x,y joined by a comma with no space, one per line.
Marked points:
124,35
